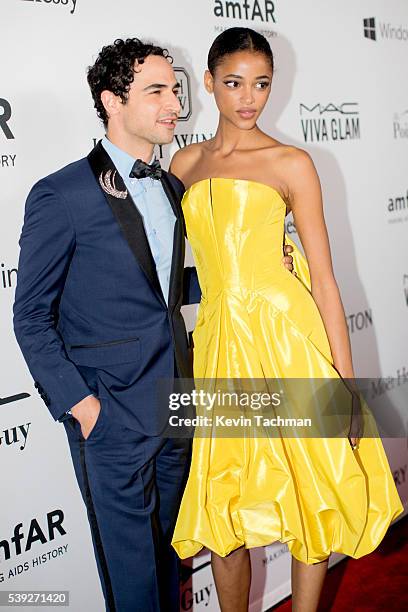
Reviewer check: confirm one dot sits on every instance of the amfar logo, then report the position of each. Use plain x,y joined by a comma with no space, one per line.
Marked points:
184,95
71,3
5,114
386,30
400,125
359,320
335,122
35,534
397,205
251,10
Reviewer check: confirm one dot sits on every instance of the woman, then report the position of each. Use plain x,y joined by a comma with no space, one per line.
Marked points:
256,320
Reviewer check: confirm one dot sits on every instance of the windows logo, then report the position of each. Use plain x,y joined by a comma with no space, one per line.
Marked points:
369,28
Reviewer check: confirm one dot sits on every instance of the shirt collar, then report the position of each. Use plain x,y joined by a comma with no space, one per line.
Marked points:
122,160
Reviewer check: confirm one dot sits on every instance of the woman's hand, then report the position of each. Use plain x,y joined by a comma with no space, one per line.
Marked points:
288,259
356,423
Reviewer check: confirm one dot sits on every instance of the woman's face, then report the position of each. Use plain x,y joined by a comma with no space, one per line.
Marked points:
241,86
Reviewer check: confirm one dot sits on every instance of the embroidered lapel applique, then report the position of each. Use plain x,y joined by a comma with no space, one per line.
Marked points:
107,182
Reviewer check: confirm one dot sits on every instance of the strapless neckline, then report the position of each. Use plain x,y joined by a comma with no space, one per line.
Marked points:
237,180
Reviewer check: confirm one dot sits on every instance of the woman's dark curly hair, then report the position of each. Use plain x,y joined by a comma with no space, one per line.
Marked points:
114,69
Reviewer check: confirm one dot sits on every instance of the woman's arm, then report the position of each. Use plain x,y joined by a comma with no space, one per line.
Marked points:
307,207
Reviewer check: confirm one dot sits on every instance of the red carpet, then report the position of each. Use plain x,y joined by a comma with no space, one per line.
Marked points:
376,582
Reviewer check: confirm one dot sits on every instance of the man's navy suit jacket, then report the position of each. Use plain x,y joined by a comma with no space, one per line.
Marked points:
89,313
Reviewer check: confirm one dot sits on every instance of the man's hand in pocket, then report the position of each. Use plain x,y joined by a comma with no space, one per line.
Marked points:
86,412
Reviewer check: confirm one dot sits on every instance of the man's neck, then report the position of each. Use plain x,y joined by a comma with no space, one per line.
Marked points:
136,148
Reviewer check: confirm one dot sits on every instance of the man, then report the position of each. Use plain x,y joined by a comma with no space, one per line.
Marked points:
97,316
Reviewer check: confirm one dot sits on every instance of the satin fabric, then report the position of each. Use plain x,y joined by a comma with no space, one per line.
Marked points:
257,320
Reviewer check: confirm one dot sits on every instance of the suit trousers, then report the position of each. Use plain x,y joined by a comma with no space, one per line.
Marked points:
132,486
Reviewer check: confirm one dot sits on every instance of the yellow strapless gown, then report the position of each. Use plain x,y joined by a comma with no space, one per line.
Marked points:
257,320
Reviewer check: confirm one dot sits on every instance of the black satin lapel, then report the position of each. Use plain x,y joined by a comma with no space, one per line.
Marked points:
177,261
127,216
171,194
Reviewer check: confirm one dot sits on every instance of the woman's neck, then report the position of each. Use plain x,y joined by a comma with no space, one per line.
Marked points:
229,138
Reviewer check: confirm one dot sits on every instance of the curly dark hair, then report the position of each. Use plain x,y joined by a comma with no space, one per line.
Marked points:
114,69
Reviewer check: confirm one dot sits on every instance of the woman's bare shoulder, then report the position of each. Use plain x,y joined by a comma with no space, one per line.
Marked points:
285,152
184,160
289,160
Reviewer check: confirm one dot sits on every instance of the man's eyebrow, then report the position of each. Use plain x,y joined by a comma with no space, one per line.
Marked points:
161,86
155,86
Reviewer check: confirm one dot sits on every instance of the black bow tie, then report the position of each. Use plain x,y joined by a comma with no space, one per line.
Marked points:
141,170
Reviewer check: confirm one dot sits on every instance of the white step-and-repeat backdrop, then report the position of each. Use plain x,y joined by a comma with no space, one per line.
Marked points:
340,91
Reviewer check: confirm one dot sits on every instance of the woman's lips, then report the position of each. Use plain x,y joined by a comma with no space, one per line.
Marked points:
246,113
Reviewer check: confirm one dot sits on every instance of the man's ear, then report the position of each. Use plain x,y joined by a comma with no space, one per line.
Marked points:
208,81
110,102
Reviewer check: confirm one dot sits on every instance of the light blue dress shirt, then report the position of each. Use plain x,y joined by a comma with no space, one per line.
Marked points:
152,203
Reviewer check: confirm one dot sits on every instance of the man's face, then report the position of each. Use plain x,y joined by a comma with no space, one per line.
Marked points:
152,108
